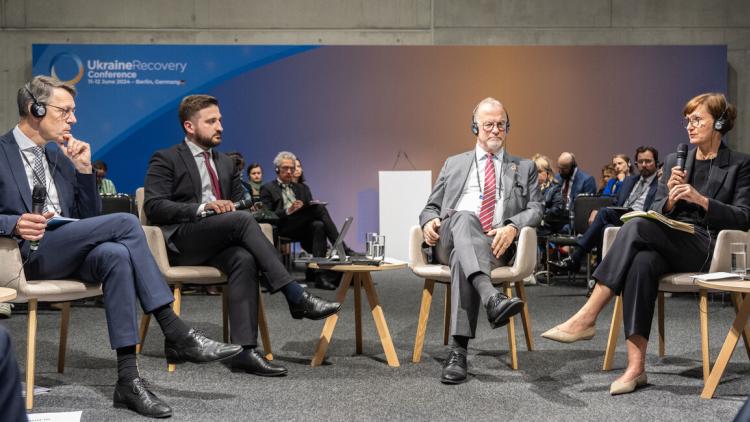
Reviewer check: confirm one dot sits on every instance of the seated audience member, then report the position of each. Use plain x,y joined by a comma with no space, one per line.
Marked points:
553,207
104,185
302,221
299,178
254,180
573,182
712,192
239,166
608,173
108,249
191,177
621,164
637,193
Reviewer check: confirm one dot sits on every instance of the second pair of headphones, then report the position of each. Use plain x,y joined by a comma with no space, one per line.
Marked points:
475,126
37,108
721,121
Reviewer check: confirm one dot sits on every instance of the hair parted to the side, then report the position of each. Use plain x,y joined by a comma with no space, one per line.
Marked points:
41,88
717,106
283,155
193,104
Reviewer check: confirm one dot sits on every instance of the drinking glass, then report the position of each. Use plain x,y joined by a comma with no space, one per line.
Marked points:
739,258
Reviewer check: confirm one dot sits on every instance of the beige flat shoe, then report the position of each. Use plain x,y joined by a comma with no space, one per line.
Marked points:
557,334
618,387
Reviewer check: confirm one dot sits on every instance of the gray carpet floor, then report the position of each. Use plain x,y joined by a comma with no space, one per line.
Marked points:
553,382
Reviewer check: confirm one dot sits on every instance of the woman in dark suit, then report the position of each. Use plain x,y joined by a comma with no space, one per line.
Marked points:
712,193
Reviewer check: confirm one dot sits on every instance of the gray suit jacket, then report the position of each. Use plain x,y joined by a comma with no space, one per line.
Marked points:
523,204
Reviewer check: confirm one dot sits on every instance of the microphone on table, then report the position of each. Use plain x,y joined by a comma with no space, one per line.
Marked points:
38,196
239,205
681,156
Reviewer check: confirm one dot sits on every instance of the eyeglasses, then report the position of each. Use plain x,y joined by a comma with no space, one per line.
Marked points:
645,161
286,168
695,122
64,112
488,126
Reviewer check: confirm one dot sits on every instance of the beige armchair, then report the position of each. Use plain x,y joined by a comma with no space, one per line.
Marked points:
177,276
34,291
678,283
522,267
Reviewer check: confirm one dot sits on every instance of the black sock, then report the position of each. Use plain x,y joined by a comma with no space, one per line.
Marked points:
459,343
172,326
127,364
483,285
293,292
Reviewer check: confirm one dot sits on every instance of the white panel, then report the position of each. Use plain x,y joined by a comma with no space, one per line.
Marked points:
402,196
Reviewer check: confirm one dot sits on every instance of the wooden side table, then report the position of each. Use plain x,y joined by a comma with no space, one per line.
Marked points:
735,331
360,276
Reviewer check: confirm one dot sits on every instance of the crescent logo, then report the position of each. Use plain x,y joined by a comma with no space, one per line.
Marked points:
65,65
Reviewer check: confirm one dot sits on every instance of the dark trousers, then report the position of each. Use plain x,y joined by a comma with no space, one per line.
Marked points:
234,243
112,250
592,238
467,250
11,402
312,226
642,252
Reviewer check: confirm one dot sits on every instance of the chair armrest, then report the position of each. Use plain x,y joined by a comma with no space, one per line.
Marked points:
158,247
722,259
608,239
416,256
526,251
12,264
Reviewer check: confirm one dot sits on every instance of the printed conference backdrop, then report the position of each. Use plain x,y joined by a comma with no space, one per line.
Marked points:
347,112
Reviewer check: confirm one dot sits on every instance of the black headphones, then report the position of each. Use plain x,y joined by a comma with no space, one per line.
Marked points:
475,126
721,121
37,109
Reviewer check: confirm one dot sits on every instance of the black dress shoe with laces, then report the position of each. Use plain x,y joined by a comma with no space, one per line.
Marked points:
136,396
327,280
500,308
252,362
454,368
197,348
313,307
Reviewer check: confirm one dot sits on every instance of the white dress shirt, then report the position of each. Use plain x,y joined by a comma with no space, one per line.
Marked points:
207,191
471,196
26,145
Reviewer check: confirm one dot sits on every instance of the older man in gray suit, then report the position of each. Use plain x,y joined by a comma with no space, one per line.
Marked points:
470,223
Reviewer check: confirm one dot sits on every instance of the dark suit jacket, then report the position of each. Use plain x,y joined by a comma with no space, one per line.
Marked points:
79,197
728,189
627,186
173,187
270,195
582,183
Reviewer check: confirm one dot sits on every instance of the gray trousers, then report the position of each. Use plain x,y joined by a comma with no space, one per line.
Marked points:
467,250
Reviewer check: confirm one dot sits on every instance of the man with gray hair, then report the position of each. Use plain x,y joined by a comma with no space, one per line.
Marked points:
44,157
300,219
481,200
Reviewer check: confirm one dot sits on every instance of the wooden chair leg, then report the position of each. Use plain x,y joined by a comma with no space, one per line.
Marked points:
703,311
64,321
525,318
660,305
358,284
511,331
263,328
424,315
176,305
447,315
614,331
143,330
736,301
225,311
31,354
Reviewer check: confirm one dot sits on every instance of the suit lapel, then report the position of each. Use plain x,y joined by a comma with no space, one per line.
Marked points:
192,169
13,156
464,165
509,172
718,173
689,162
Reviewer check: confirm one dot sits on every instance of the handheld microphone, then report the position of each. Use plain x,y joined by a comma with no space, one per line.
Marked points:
681,155
38,195
239,205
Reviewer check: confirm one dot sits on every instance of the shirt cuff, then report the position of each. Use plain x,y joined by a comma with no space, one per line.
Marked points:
201,207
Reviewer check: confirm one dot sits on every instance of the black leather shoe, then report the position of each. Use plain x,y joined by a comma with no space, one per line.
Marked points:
252,362
327,280
565,265
500,308
198,348
454,368
313,307
136,396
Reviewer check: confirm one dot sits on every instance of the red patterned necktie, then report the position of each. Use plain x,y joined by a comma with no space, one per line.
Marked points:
487,212
212,174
